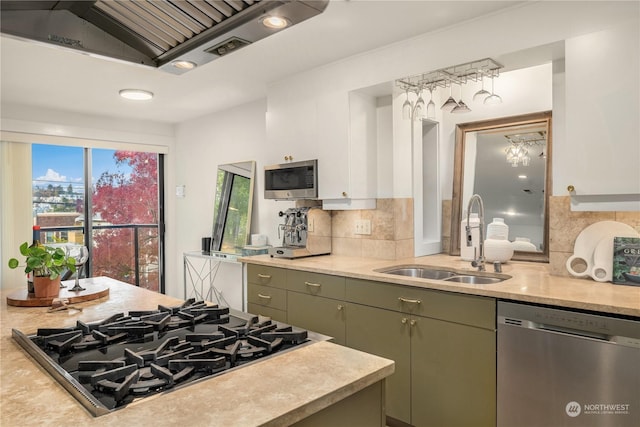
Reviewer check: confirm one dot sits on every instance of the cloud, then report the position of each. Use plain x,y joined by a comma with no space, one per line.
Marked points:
53,176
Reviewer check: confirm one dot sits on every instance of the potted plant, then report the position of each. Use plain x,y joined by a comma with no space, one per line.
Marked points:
47,264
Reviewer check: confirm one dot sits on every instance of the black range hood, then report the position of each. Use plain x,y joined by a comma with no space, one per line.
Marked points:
155,33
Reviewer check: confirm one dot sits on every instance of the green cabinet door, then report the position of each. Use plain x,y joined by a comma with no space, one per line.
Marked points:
385,333
453,374
318,314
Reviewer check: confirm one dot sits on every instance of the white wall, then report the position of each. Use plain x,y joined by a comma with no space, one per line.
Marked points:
202,144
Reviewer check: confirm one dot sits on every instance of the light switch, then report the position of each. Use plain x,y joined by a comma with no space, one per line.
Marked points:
180,191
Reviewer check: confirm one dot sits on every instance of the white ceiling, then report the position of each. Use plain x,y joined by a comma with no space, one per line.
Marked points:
38,75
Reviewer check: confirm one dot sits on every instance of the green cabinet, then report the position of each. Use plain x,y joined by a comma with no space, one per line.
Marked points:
316,302
453,374
266,292
385,333
308,300
318,314
443,345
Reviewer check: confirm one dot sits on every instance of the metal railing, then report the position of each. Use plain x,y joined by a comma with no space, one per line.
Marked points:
44,232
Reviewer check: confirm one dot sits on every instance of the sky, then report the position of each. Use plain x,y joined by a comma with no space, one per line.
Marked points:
64,165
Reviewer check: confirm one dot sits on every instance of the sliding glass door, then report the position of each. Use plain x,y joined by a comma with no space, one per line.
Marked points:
108,200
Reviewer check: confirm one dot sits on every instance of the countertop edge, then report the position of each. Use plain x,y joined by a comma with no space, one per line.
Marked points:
530,292
332,397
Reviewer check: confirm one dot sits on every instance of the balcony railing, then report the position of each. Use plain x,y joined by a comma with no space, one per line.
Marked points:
118,255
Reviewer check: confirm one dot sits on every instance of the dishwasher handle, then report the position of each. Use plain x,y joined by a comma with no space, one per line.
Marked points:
578,333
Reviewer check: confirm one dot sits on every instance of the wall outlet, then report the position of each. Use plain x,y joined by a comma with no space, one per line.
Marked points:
363,226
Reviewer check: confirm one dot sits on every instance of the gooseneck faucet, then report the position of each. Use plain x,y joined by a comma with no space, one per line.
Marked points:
478,259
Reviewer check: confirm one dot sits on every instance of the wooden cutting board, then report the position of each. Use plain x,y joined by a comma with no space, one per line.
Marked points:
21,298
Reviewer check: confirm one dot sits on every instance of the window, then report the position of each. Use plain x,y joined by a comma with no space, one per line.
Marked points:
118,207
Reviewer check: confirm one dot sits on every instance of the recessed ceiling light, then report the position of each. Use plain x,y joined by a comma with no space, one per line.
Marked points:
275,22
136,94
522,176
184,65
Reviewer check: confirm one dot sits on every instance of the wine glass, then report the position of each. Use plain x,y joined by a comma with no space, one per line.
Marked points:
81,255
482,93
450,103
431,106
493,98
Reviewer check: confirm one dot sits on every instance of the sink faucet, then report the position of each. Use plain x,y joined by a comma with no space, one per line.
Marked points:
478,259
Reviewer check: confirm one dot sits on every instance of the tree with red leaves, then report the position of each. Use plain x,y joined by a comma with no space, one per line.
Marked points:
120,199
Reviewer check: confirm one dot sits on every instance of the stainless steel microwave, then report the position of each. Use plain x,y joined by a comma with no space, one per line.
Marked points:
289,181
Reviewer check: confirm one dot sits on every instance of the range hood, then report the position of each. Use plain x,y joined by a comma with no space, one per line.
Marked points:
156,33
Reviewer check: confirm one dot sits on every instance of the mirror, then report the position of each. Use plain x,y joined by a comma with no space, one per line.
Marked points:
514,188
232,208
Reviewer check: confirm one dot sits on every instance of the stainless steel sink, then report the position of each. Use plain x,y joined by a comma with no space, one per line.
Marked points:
434,273
475,280
422,272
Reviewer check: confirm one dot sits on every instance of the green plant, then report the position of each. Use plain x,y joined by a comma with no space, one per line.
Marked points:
44,261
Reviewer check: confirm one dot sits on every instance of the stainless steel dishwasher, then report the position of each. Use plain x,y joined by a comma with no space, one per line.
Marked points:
566,368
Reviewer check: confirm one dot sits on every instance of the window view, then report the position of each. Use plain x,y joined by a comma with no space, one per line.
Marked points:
123,212
235,232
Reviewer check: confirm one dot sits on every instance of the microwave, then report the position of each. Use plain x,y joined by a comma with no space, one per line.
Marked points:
290,181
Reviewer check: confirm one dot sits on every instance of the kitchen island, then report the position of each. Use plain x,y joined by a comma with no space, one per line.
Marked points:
302,386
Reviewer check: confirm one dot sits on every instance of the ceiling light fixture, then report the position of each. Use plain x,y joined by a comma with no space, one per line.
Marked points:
136,94
275,22
519,144
184,65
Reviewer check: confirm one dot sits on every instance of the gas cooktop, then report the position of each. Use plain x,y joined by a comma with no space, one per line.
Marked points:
108,364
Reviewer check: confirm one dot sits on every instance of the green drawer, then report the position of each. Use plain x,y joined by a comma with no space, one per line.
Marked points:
278,315
318,284
268,276
460,308
267,296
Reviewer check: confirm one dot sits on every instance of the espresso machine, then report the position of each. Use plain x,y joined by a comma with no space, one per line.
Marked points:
305,231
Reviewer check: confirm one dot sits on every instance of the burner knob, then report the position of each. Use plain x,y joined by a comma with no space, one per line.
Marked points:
404,320
340,307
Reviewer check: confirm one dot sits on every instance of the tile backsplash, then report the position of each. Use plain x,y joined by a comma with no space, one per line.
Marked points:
392,230
564,227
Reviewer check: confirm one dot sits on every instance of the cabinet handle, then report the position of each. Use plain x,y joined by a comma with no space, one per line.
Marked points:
404,320
344,194
313,285
264,276
340,307
412,323
264,296
411,301
288,158
571,188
